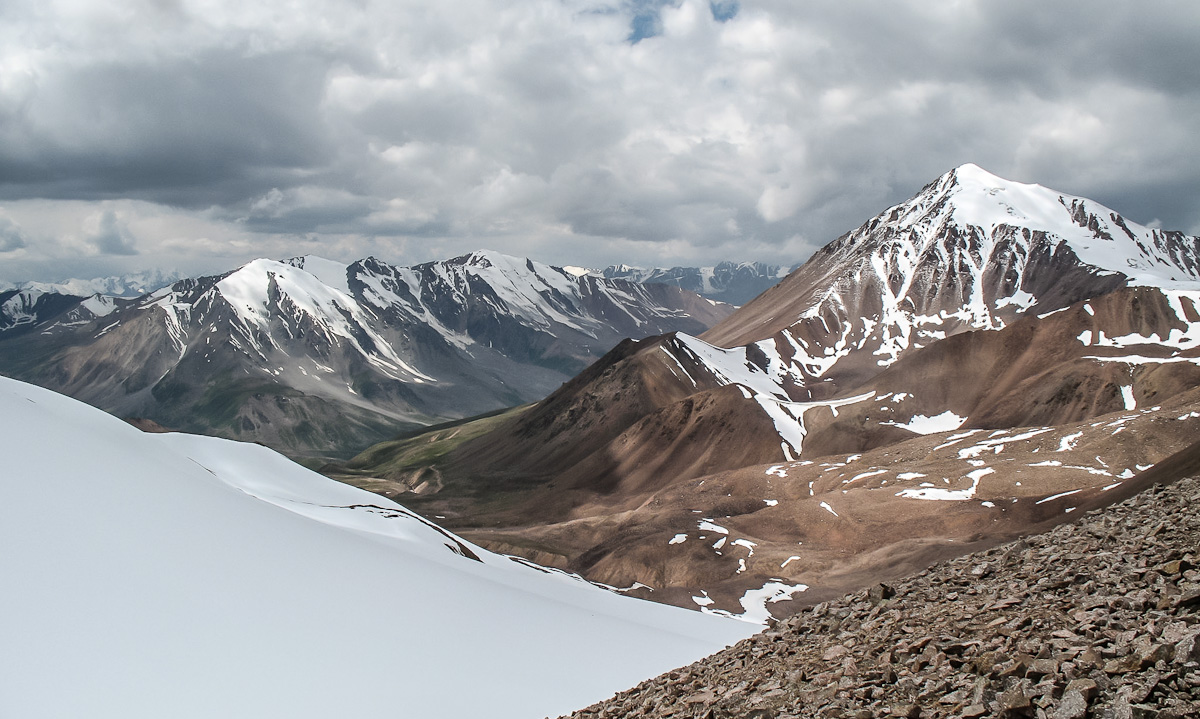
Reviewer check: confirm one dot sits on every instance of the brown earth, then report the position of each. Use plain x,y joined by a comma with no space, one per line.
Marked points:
850,521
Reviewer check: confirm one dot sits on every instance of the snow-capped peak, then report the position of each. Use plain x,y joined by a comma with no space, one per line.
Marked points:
330,308
975,198
329,272
969,251
576,271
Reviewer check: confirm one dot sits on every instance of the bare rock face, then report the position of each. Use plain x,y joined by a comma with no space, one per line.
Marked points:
1092,619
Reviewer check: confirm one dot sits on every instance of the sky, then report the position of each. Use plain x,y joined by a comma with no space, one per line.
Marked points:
195,135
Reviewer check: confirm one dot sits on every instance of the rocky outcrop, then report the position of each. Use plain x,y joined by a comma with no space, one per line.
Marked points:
1100,618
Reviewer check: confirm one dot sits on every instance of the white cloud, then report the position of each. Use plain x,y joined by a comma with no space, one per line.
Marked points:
754,130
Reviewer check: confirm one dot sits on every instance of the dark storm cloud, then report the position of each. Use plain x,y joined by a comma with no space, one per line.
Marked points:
188,132
606,130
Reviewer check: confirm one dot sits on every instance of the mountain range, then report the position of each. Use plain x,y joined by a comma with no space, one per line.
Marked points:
134,284
983,359
317,357
982,362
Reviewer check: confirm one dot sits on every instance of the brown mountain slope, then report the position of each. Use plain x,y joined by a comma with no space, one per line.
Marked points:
1036,372
836,523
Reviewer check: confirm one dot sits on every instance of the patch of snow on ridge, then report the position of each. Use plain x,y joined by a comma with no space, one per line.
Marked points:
1067,443
996,444
1057,496
246,560
746,544
1139,360
947,421
706,525
755,601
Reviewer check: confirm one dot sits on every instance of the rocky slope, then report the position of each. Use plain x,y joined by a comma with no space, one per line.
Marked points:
312,356
941,377
1099,618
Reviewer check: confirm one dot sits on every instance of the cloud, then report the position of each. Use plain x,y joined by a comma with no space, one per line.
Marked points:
108,234
11,236
595,131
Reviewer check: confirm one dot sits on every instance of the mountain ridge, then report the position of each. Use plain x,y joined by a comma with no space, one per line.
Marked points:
273,352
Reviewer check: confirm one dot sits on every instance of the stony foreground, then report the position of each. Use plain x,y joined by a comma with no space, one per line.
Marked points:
1095,619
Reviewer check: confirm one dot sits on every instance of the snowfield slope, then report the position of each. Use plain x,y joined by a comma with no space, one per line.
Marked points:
937,378
186,576
316,357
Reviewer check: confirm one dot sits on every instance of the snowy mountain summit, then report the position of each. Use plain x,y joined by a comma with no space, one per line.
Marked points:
969,251
1005,212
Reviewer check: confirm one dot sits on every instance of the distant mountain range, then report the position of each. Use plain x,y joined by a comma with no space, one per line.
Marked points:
134,284
982,359
317,357
23,310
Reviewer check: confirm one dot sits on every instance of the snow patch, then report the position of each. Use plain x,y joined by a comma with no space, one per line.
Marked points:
956,495
947,421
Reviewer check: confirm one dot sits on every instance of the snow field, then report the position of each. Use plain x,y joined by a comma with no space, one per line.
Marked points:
172,575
